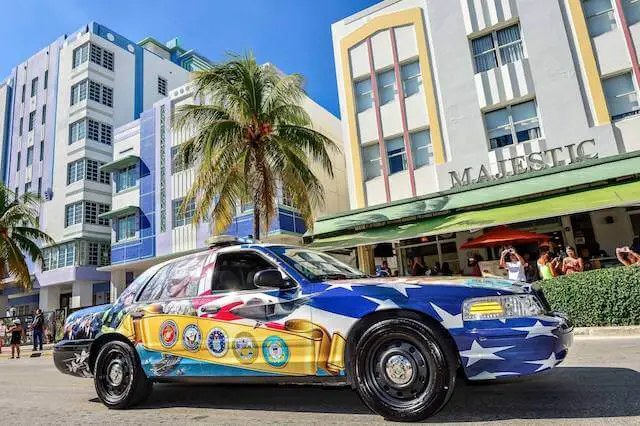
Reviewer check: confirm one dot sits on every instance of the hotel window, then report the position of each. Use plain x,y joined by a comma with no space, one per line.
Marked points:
77,131
101,94
371,161
126,178
93,130
24,90
41,150
178,160
622,98
102,209
126,228
34,87
66,255
364,94
631,11
79,92
396,155
75,171
497,48
411,78
93,171
600,16
21,126
18,162
180,217
73,214
386,86
515,123
39,187
27,187
80,55
32,120
29,156
162,86
101,57
46,79
44,114
106,134
421,149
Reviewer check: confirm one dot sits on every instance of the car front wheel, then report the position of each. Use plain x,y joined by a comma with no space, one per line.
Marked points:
119,379
404,370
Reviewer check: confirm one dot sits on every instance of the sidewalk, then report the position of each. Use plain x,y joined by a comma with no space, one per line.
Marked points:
27,351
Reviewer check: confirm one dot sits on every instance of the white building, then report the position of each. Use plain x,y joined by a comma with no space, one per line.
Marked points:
150,184
451,108
58,112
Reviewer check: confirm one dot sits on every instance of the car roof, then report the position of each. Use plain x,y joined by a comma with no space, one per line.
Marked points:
223,249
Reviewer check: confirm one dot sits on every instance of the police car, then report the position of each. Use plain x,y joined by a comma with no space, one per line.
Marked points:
272,312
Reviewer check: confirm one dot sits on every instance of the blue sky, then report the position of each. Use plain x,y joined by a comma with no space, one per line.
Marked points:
295,35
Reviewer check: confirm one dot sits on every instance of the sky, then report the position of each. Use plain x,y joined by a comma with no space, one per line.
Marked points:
294,35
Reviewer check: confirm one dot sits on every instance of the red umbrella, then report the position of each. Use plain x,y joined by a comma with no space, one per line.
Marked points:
504,235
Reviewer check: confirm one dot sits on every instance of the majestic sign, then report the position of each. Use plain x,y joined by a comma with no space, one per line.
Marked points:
534,161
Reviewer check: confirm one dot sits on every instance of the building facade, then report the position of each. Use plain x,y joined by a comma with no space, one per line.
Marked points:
58,112
476,101
150,183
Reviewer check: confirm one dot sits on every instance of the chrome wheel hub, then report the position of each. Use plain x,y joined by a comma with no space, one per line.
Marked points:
399,369
115,373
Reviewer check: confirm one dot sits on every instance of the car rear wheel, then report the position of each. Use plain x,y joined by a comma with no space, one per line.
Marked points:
404,370
119,379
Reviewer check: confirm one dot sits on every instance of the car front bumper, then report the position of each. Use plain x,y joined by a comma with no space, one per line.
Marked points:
72,357
514,347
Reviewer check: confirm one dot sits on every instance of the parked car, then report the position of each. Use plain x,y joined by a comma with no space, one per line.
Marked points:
273,312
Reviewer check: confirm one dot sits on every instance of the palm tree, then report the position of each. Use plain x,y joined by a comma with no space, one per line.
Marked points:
19,234
251,136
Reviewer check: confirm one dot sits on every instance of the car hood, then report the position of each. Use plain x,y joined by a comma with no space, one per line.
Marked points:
489,283
85,323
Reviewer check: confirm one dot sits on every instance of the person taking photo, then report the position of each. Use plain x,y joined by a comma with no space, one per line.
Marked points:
511,260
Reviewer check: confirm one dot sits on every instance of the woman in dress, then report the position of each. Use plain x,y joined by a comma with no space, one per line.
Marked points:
572,263
16,337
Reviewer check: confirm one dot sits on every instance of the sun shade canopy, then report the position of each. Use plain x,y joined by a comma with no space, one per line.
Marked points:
622,194
504,235
125,211
120,164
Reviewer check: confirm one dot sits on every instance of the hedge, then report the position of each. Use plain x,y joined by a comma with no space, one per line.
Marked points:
602,297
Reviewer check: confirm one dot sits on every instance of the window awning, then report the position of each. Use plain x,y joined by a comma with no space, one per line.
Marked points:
513,189
124,211
120,163
617,195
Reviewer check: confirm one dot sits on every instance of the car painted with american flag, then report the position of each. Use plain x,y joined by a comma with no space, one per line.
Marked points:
259,312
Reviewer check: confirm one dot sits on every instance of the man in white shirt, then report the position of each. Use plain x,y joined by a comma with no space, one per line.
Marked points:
515,265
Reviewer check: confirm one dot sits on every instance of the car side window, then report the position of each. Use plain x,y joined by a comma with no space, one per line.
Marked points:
175,280
236,271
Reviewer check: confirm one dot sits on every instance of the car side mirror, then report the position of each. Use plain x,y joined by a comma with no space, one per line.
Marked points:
271,278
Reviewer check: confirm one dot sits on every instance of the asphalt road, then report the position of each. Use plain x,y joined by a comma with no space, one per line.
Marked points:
598,383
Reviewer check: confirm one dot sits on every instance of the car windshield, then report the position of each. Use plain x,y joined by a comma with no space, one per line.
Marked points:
316,266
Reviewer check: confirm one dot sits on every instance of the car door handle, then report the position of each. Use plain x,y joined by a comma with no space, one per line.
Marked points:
210,309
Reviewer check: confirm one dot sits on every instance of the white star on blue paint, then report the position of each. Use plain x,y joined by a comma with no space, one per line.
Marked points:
478,353
545,364
485,375
447,320
346,286
399,287
382,304
538,329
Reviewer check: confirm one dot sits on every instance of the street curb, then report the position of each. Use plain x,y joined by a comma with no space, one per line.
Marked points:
617,331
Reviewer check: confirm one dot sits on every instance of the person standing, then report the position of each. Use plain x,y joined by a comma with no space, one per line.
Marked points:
514,264
547,267
418,267
572,263
16,337
37,326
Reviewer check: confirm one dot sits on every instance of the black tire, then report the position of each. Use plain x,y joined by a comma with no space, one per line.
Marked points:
403,369
118,376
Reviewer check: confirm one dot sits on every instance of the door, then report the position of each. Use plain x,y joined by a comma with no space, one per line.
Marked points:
166,319
255,331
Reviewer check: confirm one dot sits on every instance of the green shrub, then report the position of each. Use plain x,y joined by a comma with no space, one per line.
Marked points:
597,298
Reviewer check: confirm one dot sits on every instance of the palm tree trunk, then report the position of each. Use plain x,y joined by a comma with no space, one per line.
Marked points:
256,222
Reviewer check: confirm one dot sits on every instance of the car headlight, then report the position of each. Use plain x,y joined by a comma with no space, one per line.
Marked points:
497,307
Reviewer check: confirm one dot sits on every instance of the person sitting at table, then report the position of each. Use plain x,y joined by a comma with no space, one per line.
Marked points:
627,256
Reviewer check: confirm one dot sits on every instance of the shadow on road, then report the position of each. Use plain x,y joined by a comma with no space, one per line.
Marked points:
567,393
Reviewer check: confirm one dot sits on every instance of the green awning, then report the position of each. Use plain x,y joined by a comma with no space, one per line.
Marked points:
120,163
623,194
124,211
530,185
